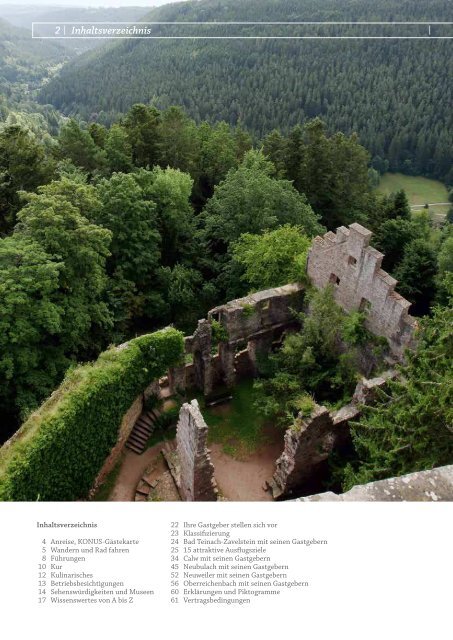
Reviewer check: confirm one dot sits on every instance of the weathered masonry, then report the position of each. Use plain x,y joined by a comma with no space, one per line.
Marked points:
196,471
256,324
312,439
249,326
346,260
225,348
432,485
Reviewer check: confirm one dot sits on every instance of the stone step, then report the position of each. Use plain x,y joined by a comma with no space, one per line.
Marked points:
134,448
145,418
139,427
152,415
143,488
141,432
138,438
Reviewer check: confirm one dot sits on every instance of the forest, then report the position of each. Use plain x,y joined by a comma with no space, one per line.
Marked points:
24,15
24,63
108,233
395,94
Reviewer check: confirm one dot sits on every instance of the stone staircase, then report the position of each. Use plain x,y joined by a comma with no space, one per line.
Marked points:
141,432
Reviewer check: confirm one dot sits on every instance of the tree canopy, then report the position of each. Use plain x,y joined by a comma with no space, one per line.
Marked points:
392,93
251,200
411,428
273,258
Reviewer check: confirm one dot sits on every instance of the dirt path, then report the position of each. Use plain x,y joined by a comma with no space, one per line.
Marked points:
430,204
132,470
134,464
238,480
243,480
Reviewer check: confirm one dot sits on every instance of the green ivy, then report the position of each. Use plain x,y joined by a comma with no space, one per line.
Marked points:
62,446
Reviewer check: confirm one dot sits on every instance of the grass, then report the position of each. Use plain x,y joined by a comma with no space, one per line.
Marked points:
419,190
236,425
104,491
162,435
166,423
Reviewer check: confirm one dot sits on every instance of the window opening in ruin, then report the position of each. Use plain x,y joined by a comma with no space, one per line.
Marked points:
352,261
365,305
241,345
334,279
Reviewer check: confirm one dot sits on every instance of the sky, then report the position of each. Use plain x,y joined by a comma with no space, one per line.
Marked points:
88,3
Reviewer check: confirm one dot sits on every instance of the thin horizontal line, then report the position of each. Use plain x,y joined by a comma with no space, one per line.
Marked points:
245,23
242,37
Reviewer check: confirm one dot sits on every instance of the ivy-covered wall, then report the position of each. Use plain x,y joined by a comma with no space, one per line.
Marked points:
59,450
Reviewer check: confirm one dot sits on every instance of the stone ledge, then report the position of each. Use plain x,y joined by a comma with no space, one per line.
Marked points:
434,485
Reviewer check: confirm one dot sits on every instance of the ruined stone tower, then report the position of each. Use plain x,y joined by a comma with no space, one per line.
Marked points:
196,469
346,260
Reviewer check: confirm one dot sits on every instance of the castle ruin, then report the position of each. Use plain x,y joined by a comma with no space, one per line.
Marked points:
196,472
227,345
250,326
345,260
311,440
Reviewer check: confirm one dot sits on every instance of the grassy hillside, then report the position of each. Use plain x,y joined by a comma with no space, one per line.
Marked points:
395,94
419,190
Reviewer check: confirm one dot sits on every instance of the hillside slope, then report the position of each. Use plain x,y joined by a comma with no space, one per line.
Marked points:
23,16
395,93
25,62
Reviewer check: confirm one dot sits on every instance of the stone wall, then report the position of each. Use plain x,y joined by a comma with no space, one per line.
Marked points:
258,313
433,485
127,424
250,325
307,443
253,325
346,260
196,471
312,439
256,323
253,322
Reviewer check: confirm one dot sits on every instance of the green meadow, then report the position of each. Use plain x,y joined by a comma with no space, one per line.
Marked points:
419,190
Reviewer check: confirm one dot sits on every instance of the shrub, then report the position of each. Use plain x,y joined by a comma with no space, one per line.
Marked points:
354,331
248,310
304,405
152,402
410,426
312,362
219,333
60,449
168,418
